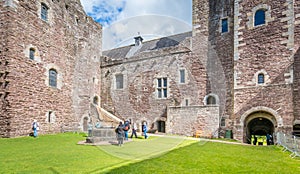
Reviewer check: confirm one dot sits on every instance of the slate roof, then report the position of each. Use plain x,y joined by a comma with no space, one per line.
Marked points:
131,50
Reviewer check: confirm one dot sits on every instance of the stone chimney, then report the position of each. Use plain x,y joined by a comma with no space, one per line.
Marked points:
138,40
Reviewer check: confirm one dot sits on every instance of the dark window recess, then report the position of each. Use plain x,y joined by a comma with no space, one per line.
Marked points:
224,25
260,17
211,100
31,53
261,79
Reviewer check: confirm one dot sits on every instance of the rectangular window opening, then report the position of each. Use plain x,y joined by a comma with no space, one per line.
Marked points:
224,25
162,84
119,81
182,76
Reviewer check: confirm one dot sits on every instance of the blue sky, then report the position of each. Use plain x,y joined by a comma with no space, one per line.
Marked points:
124,19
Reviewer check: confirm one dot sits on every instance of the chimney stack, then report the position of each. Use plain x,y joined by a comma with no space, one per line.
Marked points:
138,40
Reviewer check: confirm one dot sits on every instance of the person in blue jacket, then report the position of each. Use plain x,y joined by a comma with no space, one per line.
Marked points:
145,129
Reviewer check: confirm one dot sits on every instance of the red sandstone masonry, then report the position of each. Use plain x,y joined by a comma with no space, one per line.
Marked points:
69,42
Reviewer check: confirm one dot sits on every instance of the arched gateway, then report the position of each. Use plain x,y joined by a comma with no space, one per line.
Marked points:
259,121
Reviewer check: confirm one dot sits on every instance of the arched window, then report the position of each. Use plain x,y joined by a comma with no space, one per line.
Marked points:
261,79
44,12
260,17
31,53
211,100
52,78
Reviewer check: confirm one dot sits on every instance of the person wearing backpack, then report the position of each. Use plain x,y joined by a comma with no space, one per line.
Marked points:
120,134
126,129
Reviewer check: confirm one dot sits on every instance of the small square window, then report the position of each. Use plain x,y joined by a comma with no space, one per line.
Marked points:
224,25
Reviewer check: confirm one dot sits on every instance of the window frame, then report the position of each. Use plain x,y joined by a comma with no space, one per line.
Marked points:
260,77
222,25
182,76
53,79
118,85
44,12
32,53
162,88
256,18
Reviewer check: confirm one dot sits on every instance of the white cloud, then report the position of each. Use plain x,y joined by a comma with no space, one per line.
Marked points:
122,19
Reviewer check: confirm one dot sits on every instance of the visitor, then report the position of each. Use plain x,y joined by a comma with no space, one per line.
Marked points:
268,139
126,129
255,140
98,124
120,134
145,129
134,128
35,128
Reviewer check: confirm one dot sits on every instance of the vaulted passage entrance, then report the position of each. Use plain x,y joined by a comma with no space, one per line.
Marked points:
259,128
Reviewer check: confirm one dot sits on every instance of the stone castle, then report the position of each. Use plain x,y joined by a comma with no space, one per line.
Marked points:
236,72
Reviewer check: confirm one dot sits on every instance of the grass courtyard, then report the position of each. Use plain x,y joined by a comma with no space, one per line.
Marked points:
61,154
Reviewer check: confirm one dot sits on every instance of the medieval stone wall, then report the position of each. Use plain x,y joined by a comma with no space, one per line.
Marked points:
220,57
264,49
138,100
69,42
188,120
297,62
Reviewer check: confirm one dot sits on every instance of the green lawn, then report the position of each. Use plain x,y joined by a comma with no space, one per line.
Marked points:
61,154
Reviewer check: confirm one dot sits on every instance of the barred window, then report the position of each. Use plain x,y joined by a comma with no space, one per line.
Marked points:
53,78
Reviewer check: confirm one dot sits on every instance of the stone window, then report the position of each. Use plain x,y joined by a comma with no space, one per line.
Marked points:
260,17
119,81
182,75
211,100
53,78
224,25
44,12
162,84
261,78
186,102
223,123
31,53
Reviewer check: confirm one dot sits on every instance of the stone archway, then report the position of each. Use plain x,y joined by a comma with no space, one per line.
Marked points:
259,123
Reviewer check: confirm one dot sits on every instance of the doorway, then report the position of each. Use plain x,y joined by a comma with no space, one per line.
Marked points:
161,126
260,128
